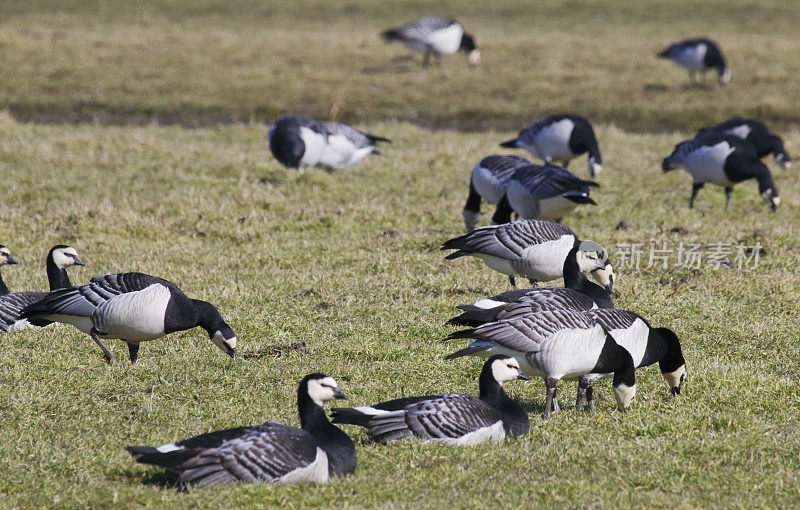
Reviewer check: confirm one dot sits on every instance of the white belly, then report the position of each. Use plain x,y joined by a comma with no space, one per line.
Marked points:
317,471
446,41
693,57
340,152
568,354
552,142
135,316
494,432
555,208
706,164
633,339
315,145
498,264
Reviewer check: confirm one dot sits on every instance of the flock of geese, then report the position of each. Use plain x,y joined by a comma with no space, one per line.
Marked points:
551,333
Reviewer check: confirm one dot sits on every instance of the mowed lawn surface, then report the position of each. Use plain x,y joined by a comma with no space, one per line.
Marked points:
349,262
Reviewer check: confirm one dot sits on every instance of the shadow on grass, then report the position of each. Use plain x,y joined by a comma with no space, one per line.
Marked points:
155,477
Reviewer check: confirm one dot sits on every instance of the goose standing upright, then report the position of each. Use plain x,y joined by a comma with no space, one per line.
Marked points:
723,160
757,134
297,142
133,307
535,249
646,345
58,259
435,35
543,192
559,139
698,54
488,181
555,345
268,453
452,419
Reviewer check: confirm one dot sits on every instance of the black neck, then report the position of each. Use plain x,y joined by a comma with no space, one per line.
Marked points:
337,445
776,145
473,204
3,287
515,419
594,150
763,176
208,317
57,276
673,357
503,212
625,372
574,279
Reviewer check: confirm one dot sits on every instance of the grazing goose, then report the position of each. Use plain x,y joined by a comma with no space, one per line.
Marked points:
58,259
297,142
578,294
723,160
535,249
555,345
435,35
560,138
268,453
133,307
488,181
452,419
6,259
699,54
757,134
543,192
646,345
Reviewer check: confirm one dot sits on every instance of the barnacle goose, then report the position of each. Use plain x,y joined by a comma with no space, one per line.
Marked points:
133,307
488,181
757,134
646,345
535,249
6,259
297,142
58,259
268,453
723,160
699,54
543,192
452,419
560,138
578,294
435,35
555,345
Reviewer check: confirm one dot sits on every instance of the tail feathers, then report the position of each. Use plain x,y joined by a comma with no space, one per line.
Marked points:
456,243
464,333
170,460
391,35
589,183
467,351
474,316
390,427
139,451
373,138
350,416
458,254
509,144
580,199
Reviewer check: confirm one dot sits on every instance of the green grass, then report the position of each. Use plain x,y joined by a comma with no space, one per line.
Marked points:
210,209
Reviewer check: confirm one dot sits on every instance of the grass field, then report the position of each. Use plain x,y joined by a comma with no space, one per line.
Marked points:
349,262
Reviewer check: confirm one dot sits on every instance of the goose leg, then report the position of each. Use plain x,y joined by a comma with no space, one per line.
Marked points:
691,77
534,281
728,194
513,281
556,409
106,352
133,351
697,186
550,402
583,386
590,398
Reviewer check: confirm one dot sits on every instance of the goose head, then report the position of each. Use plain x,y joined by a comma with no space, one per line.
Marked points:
65,256
5,256
473,53
592,258
321,388
505,368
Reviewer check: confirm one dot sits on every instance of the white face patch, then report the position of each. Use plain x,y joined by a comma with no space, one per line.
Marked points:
65,257
322,390
624,395
504,370
594,167
475,57
605,276
675,379
726,77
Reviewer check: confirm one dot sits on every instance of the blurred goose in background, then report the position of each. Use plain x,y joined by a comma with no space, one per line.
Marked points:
699,54
435,35
535,249
268,453
555,345
133,307
452,418
488,182
297,142
58,259
559,139
6,259
543,192
723,160
646,345
757,134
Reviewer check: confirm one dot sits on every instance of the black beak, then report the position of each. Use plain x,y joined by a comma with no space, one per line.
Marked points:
337,394
11,260
79,262
232,353
676,391
521,376
773,207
